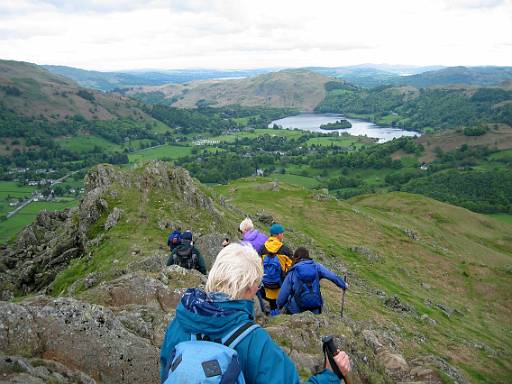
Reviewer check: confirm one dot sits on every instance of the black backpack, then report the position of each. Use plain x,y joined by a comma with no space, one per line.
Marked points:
184,256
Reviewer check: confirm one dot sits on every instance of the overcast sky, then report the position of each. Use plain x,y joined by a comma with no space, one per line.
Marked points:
128,34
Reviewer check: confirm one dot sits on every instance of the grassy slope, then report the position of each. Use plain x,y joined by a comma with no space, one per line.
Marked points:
463,256
500,138
138,234
290,88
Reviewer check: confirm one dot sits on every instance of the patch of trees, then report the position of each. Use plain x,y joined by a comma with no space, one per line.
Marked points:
336,84
11,90
216,121
376,157
475,131
84,94
340,124
425,108
223,167
486,192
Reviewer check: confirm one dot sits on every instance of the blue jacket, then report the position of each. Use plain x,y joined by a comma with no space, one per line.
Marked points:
214,314
291,282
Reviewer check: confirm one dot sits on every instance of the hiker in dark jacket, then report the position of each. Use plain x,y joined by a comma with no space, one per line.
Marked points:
252,235
224,305
174,239
300,291
186,255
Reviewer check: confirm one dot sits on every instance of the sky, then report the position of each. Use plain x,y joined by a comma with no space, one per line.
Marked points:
245,34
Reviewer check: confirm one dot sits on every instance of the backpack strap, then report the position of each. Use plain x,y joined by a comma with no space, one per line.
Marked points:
232,339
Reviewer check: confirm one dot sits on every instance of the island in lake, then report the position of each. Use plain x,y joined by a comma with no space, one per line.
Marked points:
338,124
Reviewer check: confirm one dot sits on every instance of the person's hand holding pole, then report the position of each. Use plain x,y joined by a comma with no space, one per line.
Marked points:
342,361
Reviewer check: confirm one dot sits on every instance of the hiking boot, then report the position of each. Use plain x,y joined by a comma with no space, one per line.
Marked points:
275,312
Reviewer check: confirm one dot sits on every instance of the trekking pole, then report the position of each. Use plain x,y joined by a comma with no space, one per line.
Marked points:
343,296
330,350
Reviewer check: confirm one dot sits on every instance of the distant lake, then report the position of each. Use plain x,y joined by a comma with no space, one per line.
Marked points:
312,121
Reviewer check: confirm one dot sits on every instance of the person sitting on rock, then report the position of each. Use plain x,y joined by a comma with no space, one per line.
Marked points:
186,255
300,291
277,260
224,313
252,235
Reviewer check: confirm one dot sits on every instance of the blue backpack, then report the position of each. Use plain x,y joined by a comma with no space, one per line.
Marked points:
307,291
201,360
174,239
272,272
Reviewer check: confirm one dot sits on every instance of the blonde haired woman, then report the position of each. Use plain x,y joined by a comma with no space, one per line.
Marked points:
222,309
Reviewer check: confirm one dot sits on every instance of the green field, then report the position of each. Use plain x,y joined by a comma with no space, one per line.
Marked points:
12,226
10,189
162,152
301,181
160,127
504,217
260,132
83,144
339,141
502,155
372,176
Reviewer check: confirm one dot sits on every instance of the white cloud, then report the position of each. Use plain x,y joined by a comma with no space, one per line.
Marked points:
475,4
128,34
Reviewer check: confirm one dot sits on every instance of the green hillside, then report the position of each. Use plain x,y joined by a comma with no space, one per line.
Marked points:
450,266
299,89
48,122
423,109
32,91
430,279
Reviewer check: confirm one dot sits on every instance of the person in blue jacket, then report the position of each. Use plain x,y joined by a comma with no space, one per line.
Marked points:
300,291
224,304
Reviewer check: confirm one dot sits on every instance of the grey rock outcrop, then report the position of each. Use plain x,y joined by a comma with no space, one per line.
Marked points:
41,250
113,218
395,304
85,336
134,289
17,369
412,234
210,245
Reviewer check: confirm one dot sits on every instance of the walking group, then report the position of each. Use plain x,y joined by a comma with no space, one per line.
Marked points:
213,337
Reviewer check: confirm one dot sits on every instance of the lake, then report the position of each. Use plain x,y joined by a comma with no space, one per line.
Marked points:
312,121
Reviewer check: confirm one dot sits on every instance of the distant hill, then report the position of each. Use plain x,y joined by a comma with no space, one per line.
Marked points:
299,88
361,76
372,75
480,76
30,90
108,81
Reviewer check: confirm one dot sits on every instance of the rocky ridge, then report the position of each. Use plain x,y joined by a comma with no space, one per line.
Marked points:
107,324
